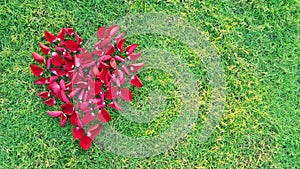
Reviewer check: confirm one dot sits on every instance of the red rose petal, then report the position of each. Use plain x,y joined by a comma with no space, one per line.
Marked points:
135,81
120,45
101,32
112,93
36,70
41,81
50,102
68,108
131,48
115,105
120,59
55,113
77,133
134,56
85,142
103,116
63,119
56,59
45,49
125,94
63,97
61,35
72,46
49,36
44,95
136,66
113,30
113,63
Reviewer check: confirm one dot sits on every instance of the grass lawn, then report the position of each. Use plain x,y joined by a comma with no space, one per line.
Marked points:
258,42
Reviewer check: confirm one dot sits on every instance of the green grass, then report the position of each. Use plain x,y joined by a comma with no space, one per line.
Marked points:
258,42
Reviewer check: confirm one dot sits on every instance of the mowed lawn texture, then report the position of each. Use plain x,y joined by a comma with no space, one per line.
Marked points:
258,42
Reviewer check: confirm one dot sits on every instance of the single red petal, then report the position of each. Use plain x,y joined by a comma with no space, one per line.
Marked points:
134,56
36,70
49,36
72,46
44,95
110,50
48,63
103,116
135,81
68,108
104,76
94,130
101,32
113,63
38,58
56,59
41,81
50,102
120,45
63,119
55,113
54,89
61,35
77,133
63,97
131,48
115,105
58,71
74,119
136,66
45,49
105,58
125,94
87,118
120,59
62,84
85,142
113,30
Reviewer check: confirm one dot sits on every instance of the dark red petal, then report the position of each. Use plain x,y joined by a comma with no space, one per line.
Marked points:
85,142
131,48
50,102
36,70
51,79
54,89
45,49
134,56
74,119
113,63
87,118
55,113
77,133
56,59
44,95
136,66
49,36
63,119
110,50
120,45
67,56
61,34
120,59
94,130
115,105
126,70
125,94
41,81
72,46
101,32
113,30
68,108
103,116
38,58
135,81
104,76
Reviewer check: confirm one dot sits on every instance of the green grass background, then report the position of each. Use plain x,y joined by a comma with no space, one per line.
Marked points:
258,42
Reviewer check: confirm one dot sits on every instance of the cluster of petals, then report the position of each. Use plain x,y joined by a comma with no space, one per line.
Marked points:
86,82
